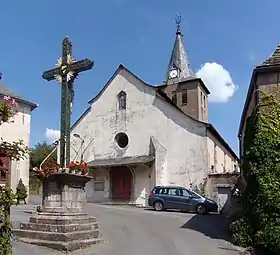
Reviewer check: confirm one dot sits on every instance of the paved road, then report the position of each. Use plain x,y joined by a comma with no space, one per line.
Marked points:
132,231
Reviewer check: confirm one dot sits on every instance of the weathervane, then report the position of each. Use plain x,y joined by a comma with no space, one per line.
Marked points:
178,19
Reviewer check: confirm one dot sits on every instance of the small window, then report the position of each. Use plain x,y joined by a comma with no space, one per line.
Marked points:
98,177
122,100
174,97
122,140
99,186
184,97
204,101
173,192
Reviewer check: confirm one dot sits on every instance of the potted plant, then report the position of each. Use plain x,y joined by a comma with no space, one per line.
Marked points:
21,193
78,167
49,167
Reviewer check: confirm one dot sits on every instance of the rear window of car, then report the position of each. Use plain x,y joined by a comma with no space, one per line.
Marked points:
161,191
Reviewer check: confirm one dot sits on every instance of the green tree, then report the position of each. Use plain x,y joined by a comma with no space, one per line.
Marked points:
259,223
37,154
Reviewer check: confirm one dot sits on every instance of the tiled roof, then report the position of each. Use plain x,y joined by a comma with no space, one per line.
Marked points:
274,59
8,92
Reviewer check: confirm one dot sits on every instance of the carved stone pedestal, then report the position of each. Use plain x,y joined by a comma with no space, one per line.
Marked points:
62,224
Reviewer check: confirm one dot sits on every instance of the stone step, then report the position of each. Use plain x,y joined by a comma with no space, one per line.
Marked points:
58,228
62,214
62,220
65,246
53,236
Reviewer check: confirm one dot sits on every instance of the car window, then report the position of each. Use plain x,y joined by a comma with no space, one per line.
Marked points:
161,191
184,193
193,194
173,192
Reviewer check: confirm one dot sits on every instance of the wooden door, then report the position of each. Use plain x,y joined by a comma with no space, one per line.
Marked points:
121,183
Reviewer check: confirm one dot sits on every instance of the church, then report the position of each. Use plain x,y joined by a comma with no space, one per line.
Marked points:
135,135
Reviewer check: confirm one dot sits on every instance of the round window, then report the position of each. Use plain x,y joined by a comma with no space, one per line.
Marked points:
121,139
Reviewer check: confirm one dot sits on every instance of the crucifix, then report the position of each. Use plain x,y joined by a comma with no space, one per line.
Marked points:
65,72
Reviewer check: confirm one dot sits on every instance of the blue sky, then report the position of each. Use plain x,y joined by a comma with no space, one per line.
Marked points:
139,34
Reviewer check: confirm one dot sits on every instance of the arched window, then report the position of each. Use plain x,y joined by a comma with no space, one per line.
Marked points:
122,100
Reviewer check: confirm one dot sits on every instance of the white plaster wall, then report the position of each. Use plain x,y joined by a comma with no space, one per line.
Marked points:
19,130
225,161
142,184
182,157
101,174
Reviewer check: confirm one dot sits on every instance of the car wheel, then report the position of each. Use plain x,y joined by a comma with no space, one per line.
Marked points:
158,206
201,209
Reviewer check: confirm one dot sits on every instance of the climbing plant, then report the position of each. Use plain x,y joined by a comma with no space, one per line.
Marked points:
15,150
258,224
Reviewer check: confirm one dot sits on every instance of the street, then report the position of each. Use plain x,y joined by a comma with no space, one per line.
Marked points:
134,231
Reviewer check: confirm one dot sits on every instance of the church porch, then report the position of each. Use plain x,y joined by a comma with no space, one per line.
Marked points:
125,180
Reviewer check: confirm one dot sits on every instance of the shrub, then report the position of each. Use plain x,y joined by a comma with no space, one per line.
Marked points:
21,193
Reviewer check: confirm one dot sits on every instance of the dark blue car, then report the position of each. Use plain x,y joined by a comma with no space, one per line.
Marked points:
180,198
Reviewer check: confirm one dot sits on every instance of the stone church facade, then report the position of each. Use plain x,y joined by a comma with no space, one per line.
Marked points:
135,135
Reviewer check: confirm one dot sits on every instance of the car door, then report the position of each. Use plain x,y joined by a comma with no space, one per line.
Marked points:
185,199
173,200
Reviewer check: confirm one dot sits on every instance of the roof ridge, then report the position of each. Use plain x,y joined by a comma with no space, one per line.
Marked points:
7,91
274,58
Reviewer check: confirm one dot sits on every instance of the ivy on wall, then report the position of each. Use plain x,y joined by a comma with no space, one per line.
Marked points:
258,222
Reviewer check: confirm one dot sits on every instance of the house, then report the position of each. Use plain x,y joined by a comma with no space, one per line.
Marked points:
16,129
135,136
265,77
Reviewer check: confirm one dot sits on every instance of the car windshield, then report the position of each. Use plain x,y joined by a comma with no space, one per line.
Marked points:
194,194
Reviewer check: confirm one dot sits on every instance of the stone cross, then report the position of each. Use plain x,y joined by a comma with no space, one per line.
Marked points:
65,72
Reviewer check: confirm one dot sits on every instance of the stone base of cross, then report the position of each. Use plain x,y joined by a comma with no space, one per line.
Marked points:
62,223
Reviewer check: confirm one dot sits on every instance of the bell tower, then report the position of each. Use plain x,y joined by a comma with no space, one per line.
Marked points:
187,91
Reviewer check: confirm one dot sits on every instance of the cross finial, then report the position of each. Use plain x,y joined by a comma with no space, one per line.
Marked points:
178,20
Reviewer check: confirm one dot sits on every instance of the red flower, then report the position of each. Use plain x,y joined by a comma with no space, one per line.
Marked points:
72,164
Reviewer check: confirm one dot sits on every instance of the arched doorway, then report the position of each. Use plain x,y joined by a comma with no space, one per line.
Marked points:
121,183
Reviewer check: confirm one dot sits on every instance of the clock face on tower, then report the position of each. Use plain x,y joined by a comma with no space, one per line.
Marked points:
173,73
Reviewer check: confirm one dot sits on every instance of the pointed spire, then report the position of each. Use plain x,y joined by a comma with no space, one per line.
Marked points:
179,59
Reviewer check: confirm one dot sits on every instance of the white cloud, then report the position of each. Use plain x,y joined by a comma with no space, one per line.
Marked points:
52,134
218,80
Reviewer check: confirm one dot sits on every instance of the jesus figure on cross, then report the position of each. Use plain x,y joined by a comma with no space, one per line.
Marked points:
65,72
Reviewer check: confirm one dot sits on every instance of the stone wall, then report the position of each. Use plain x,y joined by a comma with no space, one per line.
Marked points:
216,181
